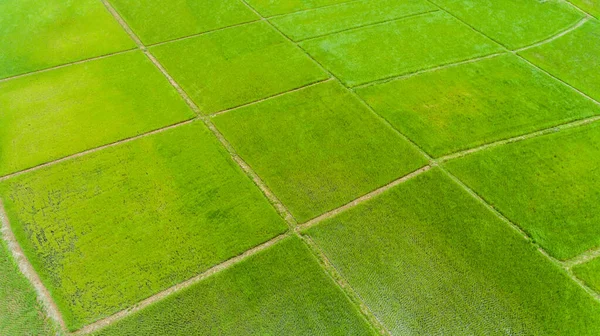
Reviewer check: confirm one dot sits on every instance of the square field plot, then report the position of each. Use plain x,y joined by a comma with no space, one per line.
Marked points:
279,291
278,7
109,229
574,58
548,185
429,259
398,47
331,19
160,20
318,148
515,23
236,66
49,115
460,107
38,34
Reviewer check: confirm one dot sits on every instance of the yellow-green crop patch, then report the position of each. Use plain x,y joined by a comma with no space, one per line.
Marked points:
460,107
53,114
38,34
161,20
278,7
318,148
589,273
573,58
398,47
109,229
548,185
590,6
429,259
353,14
515,23
280,291
237,65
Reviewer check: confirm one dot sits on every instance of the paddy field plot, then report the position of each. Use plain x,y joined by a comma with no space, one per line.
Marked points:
299,167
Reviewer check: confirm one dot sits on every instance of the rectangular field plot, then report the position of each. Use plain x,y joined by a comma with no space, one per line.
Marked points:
460,107
548,185
331,19
318,148
237,66
573,58
280,291
53,114
589,273
278,7
428,259
514,23
398,47
38,34
160,20
20,311
109,229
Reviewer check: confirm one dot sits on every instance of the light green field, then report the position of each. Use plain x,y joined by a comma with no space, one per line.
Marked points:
354,14
317,148
20,312
38,34
590,273
590,6
237,66
428,259
573,58
473,104
262,295
153,20
50,115
278,7
398,47
549,186
514,23
107,230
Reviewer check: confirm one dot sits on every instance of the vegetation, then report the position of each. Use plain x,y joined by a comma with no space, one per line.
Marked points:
278,7
589,272
590,6
428,258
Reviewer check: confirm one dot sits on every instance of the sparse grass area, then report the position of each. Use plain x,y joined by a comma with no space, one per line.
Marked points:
280,291
398,47
429,259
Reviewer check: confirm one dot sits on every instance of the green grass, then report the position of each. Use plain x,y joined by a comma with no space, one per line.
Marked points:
109,229
157,21
345,16
573,58
460,107
398,47
428,259
514,23
38,34
237,66
280,291
53,114
278,7
20,312
590,6
589,272
317,148
547,185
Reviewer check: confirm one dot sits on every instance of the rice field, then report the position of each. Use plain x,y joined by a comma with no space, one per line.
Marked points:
299,167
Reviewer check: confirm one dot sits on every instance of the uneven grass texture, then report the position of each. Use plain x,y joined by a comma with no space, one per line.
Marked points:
277,7
590,6
345,16
160,20
472,104
237,66
548,185
280,291
37,34
428,259
398,47
589,273
514,23
573,58
318,148
53,114
109,229
20,312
